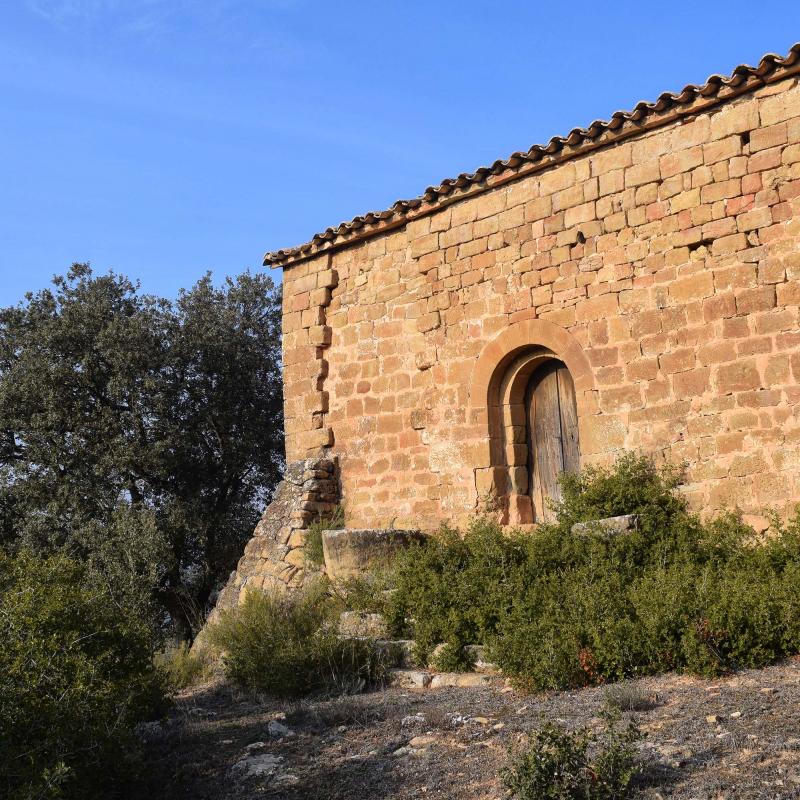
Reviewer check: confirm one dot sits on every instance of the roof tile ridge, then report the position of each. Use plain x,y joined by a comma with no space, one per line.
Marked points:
767,65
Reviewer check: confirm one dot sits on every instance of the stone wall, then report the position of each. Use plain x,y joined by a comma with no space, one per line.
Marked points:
664,270
274,559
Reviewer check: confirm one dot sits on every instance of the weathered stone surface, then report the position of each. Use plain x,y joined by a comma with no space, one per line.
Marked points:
274,560
360,624
663,271
409,678
263,765
462,680
610,526
349,552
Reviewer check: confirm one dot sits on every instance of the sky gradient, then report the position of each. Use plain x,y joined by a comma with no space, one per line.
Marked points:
165,138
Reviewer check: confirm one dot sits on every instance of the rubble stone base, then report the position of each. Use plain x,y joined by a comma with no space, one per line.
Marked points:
274,559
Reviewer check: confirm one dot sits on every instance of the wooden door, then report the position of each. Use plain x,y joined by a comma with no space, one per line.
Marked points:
552,433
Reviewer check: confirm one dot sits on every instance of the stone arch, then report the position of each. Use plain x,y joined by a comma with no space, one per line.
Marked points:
497,401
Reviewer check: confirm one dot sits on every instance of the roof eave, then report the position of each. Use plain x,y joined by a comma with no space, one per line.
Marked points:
669,107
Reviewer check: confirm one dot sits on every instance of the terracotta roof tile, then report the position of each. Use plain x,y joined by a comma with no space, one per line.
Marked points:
599,133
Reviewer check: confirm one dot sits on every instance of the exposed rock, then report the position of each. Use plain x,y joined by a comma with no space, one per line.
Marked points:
610,526
258,766
463,680
422,679
277,730
422,741
409,678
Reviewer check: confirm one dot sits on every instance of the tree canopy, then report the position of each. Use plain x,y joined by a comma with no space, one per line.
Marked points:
135,424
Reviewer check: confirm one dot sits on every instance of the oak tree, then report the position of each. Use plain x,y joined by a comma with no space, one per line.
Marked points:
130,416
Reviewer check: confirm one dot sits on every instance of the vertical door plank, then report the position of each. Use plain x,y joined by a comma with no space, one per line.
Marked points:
547,435
552,433
534,488
569,421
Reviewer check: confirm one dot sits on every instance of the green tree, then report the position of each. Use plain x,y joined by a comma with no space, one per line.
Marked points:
76,675
113,399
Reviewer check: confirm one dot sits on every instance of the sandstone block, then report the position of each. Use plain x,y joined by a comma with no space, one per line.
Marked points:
737,377
352,552
320,335
429,322
320,297
693,287
599,307
409,678
328,278
461,680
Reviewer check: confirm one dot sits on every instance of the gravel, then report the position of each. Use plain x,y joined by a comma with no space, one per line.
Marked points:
737,737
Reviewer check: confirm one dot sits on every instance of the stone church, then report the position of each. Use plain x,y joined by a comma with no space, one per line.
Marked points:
634,285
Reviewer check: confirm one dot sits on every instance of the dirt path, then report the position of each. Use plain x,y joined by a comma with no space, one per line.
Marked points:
732,738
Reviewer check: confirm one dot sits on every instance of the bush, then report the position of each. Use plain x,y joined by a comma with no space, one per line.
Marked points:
180,667
557,764
558,609
286,646
313,549
76,675
368,592
450,657
629,696
454,590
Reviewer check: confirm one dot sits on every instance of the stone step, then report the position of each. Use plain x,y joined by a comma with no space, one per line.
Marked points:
362,625
477,651
424,679
399,652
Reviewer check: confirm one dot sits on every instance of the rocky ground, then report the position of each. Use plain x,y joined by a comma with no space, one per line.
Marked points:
733,738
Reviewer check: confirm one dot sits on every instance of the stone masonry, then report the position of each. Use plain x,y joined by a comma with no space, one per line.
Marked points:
656,255
274,560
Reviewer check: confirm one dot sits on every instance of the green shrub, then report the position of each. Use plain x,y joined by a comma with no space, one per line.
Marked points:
286,646
628,696
313,549
368,592
76,675
181,667
559,764
559,609
453,589
451,657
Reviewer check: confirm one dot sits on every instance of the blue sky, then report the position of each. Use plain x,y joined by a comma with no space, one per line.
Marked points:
164,138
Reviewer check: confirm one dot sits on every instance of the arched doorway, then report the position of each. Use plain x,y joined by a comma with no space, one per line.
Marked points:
499,399
552,433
